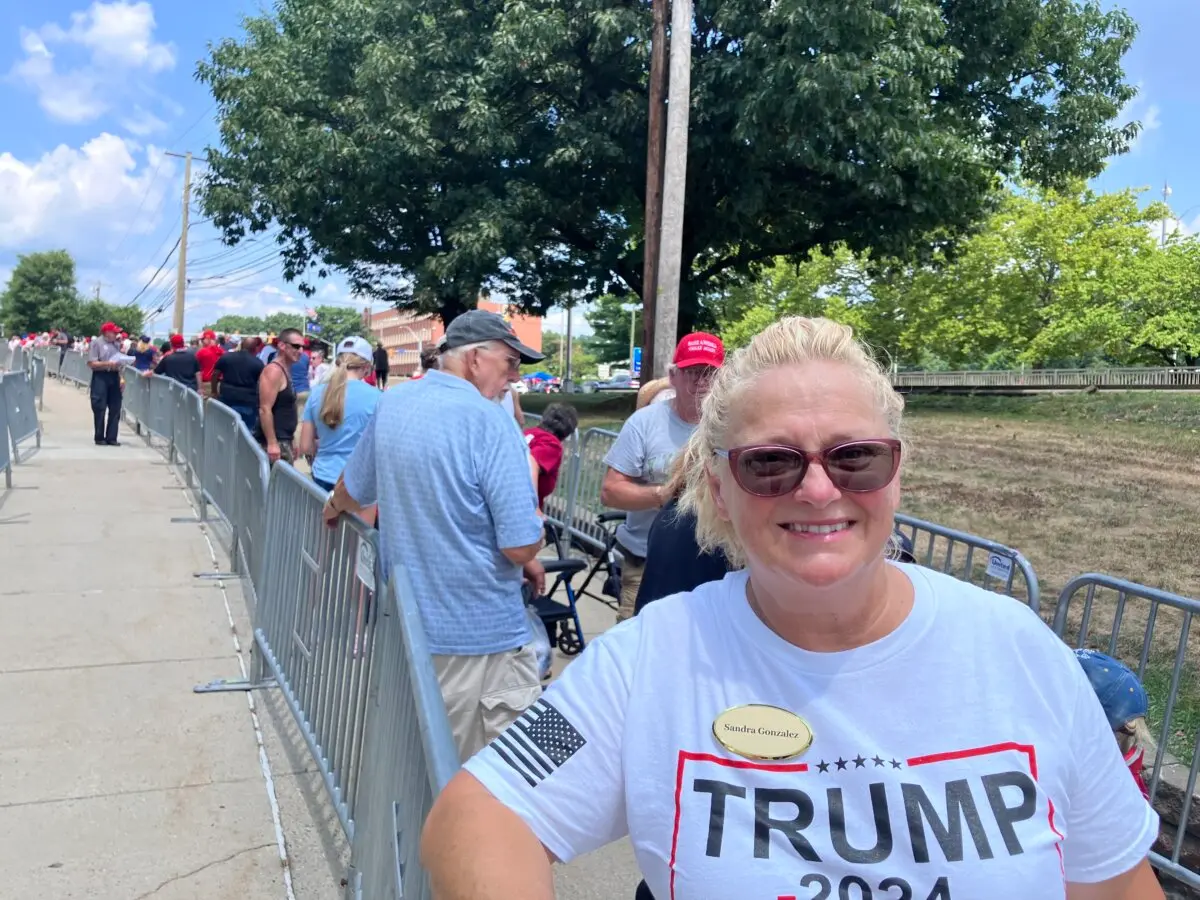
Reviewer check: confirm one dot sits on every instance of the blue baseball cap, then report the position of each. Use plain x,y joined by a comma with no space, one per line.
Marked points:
1120,693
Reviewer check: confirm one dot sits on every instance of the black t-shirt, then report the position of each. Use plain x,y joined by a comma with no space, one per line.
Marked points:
674,562
381,359
181,366
239,373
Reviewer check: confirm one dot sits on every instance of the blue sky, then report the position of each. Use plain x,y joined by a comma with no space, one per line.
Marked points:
92,94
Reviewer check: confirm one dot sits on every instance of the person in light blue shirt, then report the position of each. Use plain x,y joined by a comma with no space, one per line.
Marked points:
337,413
457,510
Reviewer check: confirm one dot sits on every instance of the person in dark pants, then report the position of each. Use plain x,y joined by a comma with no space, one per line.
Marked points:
675,563
382,366
103,360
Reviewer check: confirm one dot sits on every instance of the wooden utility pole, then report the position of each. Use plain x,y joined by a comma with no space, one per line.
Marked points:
666,302
655,145
181,274
567,375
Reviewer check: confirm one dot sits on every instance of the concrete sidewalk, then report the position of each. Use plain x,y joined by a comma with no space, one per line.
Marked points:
116,781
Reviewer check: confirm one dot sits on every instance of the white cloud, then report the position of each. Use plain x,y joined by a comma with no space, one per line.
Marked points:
142,123
83,199
118,33
1176,227
116,41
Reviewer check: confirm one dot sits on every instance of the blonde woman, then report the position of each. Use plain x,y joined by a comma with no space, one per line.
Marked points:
337,412
823,723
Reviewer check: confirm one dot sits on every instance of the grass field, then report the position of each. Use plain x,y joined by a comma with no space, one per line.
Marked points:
1077,482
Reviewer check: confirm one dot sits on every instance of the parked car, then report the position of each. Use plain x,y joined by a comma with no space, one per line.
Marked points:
618,383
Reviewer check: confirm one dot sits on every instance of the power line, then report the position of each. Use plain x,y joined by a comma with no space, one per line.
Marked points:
241,265
145,194
157,271
240,279
154,175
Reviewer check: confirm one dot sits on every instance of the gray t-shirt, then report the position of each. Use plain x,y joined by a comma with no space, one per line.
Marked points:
645,449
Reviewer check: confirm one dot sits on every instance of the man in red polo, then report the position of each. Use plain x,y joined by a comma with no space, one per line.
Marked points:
208,354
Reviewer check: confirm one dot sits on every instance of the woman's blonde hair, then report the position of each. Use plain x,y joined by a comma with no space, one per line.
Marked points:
790,341
333,404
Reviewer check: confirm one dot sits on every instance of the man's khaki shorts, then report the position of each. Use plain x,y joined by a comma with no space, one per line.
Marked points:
483,694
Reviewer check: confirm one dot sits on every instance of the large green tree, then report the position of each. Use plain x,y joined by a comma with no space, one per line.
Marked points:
430,148
41,291
338,322
1064,277
41,295
611,322
241,325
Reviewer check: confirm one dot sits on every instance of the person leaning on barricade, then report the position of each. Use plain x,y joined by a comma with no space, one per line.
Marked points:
180,365
234,381
822,723
277,411
337,413
545,442
449,471
210,351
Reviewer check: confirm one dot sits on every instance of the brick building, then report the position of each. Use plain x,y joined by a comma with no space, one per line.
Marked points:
403,334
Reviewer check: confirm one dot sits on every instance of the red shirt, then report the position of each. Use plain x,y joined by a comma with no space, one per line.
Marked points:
207,357
1135,759
547,452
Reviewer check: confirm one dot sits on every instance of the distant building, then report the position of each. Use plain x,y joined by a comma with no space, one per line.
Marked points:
405,334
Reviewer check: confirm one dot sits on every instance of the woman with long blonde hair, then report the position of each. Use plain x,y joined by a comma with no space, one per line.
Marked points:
821,723
337,412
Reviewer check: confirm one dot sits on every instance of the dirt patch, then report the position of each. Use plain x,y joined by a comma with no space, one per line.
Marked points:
1073,497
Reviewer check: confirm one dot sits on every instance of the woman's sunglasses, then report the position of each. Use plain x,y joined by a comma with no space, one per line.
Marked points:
772,470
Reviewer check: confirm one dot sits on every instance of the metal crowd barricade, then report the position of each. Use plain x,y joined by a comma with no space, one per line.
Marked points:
250,477
5,355
5,453
37,373
315,626
75,368
159,414
216,477
1128,621
16,362
581,486
191,409
976,560
409,755
189,435
135,399
21,411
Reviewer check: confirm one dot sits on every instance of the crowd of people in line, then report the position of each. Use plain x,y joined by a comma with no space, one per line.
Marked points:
784,703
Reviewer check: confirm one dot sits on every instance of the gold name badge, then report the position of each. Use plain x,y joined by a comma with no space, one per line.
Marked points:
757,731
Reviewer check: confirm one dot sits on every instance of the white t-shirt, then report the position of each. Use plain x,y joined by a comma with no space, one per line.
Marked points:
962,757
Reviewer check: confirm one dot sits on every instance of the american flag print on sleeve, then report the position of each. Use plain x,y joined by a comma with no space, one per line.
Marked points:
538,743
